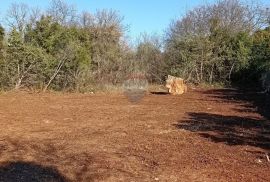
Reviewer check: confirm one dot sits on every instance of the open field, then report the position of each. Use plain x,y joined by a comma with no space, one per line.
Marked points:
204,135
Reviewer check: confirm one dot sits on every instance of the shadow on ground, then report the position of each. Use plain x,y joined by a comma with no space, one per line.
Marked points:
257,101
29,172
232,130
76,165
160,93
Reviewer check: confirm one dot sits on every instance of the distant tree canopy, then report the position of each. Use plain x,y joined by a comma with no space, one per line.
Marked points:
63,49
213,42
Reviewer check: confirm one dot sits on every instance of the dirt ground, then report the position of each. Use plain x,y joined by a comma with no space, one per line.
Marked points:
201,136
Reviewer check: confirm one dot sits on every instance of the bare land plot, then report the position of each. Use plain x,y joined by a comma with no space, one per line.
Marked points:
204,135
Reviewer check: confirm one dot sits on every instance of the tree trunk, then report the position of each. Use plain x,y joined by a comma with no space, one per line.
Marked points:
201,71
189,76
197,74
21,76
18,84
61,63
231,72
211,74
201,74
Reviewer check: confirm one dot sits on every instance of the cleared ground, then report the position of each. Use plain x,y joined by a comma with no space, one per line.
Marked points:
204,135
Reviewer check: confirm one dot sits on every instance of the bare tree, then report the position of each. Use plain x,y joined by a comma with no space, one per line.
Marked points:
35,15
106,30
17,16
87,20
238,16
62,12
150,58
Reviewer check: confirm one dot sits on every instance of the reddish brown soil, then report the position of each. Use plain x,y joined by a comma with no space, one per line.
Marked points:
204,135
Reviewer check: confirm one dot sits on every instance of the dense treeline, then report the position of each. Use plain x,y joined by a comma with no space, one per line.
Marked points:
63,49
220,43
